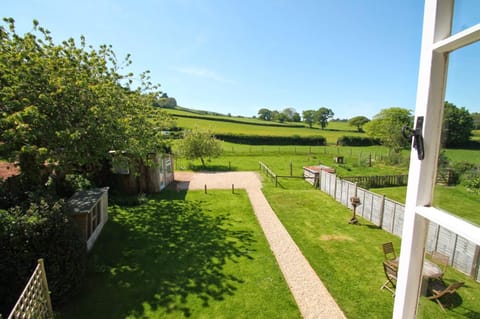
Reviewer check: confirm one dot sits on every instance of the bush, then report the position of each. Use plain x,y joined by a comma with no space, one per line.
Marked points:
42,229
357,141
471,180
272,140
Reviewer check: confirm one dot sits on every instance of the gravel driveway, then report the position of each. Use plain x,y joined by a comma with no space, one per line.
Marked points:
313,299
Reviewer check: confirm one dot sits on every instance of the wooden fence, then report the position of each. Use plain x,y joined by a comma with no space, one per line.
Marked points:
388,214
378,181
34,302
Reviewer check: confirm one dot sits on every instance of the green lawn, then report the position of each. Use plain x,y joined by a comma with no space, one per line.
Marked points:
348,258
204,256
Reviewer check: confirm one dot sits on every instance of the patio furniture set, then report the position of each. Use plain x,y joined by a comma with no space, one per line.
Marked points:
433,285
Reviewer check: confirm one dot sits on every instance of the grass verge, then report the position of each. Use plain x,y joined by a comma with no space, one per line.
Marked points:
202,256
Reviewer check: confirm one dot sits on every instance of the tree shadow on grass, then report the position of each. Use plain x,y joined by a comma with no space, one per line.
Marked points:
155,256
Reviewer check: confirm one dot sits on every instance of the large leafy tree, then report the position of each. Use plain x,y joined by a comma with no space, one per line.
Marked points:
322,115
358,122
387,127
199,144
69,103
458,125
265,114
309,117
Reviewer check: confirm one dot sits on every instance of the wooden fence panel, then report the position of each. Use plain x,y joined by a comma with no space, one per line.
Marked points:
399,217
377,209
463,255
34,302
361,193
446,242
388,216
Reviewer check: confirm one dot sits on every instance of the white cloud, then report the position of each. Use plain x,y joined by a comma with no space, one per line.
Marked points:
204,73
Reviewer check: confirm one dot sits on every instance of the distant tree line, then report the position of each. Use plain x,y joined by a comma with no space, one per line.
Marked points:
289,114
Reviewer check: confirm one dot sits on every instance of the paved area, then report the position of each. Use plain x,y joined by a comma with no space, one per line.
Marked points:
313,299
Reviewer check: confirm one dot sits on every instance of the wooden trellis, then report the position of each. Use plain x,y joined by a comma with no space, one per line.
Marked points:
34,302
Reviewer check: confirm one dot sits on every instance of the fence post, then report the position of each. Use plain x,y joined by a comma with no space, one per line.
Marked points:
335,187
205,188
276,181
291,168
382,210
475,265
233,189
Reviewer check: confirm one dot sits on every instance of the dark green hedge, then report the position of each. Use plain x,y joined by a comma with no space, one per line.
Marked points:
272,140
357,141
42,229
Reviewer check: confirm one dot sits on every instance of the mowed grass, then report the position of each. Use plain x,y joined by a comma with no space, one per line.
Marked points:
348,258
199,256
455,199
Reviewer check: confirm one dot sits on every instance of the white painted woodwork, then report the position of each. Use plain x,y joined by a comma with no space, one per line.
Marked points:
437,43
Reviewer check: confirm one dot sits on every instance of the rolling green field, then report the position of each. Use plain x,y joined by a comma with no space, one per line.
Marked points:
258,127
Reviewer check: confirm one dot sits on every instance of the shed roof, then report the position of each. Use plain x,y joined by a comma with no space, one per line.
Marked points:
83,201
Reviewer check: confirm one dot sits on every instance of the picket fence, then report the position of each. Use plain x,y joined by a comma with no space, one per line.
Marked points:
388,214
34,302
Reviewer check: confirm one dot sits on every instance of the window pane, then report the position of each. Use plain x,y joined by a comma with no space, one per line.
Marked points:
458,179
466,14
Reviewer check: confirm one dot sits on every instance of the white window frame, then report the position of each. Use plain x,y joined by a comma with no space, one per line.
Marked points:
437,44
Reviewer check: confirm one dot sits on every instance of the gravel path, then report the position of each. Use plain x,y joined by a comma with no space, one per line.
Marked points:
313,299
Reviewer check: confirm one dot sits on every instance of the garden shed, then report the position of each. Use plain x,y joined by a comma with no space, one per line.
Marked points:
89,209
312,173
148,179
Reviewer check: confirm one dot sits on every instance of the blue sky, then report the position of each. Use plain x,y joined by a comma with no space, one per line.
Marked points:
355,57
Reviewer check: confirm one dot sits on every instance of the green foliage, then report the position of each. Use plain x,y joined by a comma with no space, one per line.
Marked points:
358,122
458,125
309,117
265,114
69,104
166,102
476,120
199,143
41,229
272,140
322,115
387,127
357,141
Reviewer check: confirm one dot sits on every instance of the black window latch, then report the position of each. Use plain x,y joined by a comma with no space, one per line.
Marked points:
416,133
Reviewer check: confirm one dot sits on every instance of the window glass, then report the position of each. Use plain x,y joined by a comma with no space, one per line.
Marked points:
465,15
458,179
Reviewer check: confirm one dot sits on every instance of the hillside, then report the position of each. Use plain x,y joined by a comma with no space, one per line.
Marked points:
249,126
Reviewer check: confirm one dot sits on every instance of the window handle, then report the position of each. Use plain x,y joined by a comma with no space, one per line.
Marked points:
416,133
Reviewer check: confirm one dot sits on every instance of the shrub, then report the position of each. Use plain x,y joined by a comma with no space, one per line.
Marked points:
272,140
471,180
42,229
357,141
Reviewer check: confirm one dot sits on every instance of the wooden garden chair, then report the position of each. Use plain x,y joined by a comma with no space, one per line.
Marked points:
389,251
391,273
440,259
439,290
